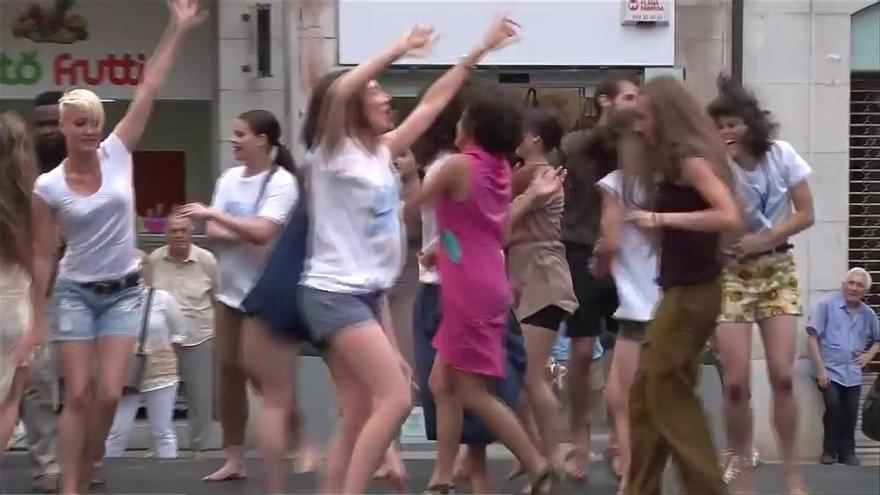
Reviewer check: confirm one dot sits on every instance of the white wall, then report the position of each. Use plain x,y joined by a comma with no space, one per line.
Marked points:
554,33
797,58
239,91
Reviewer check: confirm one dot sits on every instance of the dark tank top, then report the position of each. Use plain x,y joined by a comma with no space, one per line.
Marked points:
686,257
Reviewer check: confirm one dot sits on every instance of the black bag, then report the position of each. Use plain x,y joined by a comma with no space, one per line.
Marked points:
139,364
275,297
871,412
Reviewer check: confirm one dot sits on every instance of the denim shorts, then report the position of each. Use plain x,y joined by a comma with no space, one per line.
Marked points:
329,313
80,314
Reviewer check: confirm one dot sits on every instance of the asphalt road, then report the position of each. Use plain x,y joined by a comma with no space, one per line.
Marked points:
139,476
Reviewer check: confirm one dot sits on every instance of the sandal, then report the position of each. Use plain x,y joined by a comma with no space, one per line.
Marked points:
516,473
439,489
611,461
544,484
571,467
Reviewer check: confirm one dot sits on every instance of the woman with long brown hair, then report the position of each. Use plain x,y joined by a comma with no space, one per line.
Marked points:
680,159
17,172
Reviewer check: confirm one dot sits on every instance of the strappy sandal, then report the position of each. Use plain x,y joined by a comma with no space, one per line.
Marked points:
570,466
440,489
519,472
544,484
733,469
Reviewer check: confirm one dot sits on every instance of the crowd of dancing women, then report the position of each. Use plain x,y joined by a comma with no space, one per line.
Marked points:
666,224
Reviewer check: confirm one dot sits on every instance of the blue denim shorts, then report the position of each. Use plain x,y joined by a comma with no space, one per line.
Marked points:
329,313
79,313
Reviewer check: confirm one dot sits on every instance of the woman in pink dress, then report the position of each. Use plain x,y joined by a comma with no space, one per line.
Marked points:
472,194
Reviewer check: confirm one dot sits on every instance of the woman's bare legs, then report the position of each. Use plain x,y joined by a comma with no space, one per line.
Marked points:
473,392
355,407
477,469
578,396
780,342
539,346
271,363
734,343
10,407
450,417
115,355
374,367
231,392
76,367
620,380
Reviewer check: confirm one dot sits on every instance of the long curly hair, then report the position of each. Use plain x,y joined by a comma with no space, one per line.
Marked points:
17,174
683,131
734,100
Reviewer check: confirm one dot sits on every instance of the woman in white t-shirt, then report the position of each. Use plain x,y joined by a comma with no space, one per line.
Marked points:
251,205
89,199
630,255
760,279
355,246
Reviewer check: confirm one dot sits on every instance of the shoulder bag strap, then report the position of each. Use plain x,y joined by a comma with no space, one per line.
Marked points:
263,189
145,321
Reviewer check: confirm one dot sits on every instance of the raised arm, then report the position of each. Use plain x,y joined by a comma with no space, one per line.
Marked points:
544,184
332,123
500,34
185,16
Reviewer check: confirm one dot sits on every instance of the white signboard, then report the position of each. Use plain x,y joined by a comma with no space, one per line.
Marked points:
584,33
636,11
101,45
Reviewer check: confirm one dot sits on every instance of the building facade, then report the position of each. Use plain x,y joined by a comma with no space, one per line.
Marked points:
813,63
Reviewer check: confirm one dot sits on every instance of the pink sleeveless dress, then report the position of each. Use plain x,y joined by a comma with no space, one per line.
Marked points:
476,296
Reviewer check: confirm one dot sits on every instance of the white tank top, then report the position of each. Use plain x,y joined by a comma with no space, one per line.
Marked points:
355,211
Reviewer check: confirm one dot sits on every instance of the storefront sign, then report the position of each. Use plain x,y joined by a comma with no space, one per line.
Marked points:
554,33
51,45
66,70
644,11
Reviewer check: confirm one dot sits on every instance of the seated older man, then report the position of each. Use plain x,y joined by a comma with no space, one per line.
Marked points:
839,331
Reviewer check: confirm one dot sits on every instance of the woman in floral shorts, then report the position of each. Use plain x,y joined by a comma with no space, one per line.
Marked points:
760,279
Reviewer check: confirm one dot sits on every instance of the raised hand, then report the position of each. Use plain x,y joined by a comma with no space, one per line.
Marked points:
418,40
547,182
195,210
502,32
185,14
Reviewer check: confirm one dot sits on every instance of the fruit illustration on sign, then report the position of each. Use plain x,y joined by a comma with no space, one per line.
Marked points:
51,25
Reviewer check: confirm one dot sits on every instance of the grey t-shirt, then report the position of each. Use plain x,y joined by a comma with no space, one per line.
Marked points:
583,205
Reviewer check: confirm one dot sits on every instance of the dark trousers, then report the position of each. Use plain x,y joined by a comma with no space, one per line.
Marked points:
839,420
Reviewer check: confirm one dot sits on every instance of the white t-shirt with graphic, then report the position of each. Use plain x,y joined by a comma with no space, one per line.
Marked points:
635,267
766,191
240,264
99,228
356,228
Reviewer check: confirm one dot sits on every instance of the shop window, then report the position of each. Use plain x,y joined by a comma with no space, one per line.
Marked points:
159,184
864,180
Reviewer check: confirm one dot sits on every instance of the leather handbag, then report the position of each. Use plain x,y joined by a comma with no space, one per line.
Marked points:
139,364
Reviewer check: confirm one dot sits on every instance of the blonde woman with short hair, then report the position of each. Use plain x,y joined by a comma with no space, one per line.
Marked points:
97,294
